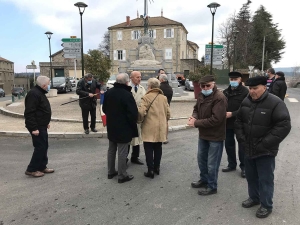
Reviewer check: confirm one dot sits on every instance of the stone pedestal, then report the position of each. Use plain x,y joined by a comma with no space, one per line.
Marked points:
52,93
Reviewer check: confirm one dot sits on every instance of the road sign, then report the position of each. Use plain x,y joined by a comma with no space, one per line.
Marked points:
214,46
31,67
71,40
71,44
71,55
72,50
215,57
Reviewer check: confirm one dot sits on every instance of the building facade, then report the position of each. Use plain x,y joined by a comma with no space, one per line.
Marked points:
169,37
6,75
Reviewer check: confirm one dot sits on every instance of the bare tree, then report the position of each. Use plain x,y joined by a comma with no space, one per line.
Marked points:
104,45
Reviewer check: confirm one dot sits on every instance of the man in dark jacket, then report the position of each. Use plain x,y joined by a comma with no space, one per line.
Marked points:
271,78
37,119
263,121
121,116
235,94
209,116
86,89
279,86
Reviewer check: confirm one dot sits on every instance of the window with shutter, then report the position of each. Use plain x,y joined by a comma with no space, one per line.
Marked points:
124,55
120,54
152,33
115,55
119,35
168,53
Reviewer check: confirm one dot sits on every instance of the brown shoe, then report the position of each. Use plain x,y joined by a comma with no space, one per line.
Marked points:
47,170
35,174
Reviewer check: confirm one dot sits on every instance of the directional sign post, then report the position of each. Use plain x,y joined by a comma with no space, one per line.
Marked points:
72,48
218,51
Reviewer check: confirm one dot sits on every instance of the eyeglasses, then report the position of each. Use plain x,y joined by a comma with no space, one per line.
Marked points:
205,85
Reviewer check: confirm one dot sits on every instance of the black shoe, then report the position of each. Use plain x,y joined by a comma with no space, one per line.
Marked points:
166,142
125,179
249,203
199,184
243,174
94,130
87,131
149,174
136,161
111,176
228,169
157,170
207,191
263,212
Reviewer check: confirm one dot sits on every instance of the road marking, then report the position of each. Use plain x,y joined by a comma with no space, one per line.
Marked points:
292,100
15,104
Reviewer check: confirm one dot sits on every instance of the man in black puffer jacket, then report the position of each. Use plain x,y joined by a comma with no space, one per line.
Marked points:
263,121
279,86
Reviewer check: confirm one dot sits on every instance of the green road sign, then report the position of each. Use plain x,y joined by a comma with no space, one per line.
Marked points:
71,40
214,46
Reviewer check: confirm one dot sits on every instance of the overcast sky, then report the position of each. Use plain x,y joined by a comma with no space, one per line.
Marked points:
24,22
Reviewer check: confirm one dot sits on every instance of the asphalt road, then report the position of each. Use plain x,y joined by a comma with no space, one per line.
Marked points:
5,98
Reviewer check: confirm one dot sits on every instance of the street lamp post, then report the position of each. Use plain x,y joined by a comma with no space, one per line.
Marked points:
235,33
48,33
263,54
81,6
213,8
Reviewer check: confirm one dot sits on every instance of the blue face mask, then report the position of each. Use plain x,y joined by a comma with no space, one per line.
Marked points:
234,83
48,88
207,92
89,81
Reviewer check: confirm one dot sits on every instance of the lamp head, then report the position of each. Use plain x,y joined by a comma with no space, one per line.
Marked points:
48,33
213,7
81,6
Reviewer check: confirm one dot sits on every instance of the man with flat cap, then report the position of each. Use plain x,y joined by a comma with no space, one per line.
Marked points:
279,86
209,116
235,94
262,122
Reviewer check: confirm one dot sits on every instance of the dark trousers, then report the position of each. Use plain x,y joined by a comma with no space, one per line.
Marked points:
135,151
85,117
153,152
39,159
260,178
231,150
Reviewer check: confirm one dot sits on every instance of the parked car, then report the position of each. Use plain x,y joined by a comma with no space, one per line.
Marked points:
189,85
17,90
62,84
111,81
73,81
2,93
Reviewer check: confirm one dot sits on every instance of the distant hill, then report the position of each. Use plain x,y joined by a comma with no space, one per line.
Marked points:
284,69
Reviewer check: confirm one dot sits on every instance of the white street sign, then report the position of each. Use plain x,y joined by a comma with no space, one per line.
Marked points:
215,62
215,57
251,68
72,50
71,44
31,67
71,55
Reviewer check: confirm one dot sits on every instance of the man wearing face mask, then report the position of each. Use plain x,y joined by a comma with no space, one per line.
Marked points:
209,116
37,119
235,94
86,89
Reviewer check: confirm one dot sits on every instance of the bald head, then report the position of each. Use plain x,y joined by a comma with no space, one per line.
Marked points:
135,77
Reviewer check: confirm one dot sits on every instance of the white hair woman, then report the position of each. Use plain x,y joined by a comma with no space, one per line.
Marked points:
154,112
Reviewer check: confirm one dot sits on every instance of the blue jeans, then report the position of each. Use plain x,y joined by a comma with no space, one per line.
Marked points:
260,178
209,158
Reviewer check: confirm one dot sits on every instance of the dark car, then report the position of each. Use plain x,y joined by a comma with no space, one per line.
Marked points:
62,84
2,93
17,90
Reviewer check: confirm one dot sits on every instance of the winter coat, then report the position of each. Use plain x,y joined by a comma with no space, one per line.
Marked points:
234,101
121,114
167,90
141,91
83,90
210,115
262,124
37,109
154,122
279,88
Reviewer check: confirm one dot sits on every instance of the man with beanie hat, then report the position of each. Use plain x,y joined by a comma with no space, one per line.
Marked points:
209,116
262,122
235,94
279,86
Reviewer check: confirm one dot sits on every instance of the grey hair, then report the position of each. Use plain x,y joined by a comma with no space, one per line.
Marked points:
88,75
122,78
153,83
163,77
42,80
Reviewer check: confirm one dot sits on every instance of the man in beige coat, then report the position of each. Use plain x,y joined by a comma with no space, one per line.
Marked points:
138,91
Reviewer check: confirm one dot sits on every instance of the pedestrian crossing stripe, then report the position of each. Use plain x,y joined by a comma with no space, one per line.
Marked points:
292,100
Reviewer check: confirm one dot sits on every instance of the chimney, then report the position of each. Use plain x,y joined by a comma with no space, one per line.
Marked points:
161,12
137,14
127,20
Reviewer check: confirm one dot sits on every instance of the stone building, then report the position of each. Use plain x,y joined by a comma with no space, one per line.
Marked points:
6,75
61,67
168,42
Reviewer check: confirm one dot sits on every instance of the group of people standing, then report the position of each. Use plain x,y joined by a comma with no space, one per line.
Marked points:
256,116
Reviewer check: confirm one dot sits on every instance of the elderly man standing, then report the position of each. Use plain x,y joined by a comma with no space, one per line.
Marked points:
235,94
263,121
279,86
209,116
138,91
37,119
121,116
